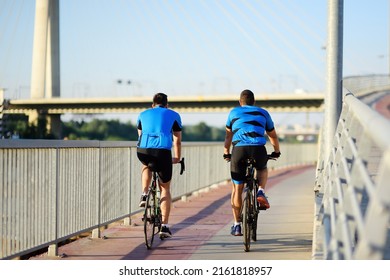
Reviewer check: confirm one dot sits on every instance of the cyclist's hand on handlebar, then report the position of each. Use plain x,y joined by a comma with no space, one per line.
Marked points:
275,154
227,157
182,166
176,160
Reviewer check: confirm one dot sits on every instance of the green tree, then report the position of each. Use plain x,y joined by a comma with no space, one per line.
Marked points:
17,124
104,130
100,130
202,132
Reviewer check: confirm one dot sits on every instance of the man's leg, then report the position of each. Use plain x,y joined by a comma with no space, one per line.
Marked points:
237,173
262,177
165,177
236,202
146,178
166,201
165,204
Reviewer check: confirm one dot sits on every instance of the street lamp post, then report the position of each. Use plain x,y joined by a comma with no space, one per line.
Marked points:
123,82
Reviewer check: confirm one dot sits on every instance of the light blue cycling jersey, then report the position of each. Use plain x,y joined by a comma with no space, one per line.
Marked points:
157,125
248,124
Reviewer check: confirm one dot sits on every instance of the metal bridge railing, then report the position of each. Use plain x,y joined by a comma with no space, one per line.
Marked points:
362,85
51,190
352,187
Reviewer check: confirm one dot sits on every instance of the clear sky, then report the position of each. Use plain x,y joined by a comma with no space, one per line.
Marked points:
193,47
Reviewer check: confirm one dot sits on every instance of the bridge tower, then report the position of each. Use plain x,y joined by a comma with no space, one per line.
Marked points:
45,77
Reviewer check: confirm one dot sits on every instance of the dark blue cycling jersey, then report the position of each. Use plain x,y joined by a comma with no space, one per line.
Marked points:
157,125
248,124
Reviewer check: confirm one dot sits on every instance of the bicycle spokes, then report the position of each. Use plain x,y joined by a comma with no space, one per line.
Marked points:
149,219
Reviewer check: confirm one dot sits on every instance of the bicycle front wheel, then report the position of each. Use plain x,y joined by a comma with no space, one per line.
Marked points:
149,219
246,221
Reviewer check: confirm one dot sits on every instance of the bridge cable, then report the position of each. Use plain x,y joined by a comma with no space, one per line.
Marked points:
214,36
273,45
282,37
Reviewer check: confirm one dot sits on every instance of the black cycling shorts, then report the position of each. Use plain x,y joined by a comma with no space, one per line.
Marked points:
162,160
240,154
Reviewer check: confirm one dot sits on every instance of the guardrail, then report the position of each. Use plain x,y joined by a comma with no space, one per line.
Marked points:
51,190
352,186
363,85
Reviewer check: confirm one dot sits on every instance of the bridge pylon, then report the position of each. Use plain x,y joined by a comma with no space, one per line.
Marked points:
45,75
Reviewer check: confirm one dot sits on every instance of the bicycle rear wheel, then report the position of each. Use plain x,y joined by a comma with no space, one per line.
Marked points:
246,221
150,218
255,213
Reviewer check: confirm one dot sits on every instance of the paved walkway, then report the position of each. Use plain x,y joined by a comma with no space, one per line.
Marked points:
201,227
382,106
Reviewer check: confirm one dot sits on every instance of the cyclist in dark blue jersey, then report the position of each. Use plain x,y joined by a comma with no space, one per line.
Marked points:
246,127
159,129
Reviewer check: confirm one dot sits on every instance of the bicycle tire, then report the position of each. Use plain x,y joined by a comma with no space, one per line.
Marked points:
255,212
254,220
150,218
246,223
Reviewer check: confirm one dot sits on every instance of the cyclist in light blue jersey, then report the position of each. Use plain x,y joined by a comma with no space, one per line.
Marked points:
246,127
159,129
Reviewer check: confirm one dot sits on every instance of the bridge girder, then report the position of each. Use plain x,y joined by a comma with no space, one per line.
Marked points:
273,103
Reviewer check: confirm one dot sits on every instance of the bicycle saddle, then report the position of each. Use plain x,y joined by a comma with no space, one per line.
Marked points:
152,166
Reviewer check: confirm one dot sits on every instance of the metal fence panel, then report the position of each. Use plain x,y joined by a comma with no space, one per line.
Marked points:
27,198
78,190
114,183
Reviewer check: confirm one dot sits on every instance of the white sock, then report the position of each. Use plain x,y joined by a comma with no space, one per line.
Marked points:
261,189
237,223
164,225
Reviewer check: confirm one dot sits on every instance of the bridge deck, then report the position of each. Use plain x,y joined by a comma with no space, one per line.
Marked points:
201,228
216,103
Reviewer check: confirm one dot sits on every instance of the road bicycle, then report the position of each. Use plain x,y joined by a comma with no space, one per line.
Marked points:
250,206
152,217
